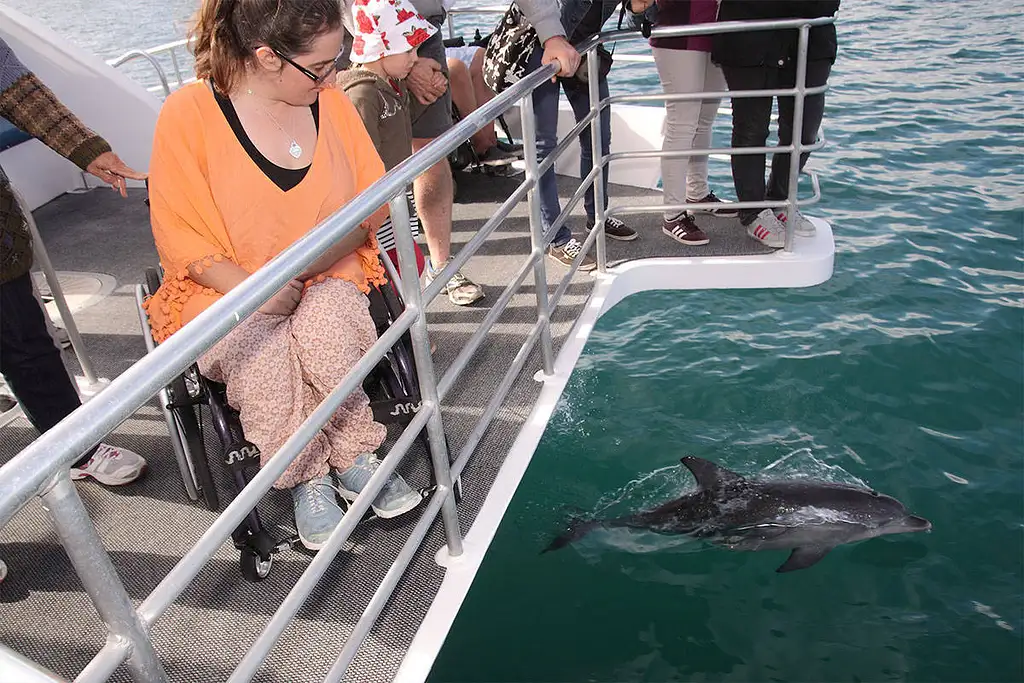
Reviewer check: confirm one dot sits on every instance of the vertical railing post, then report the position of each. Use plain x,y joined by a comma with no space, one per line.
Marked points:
413,298
177,69
537,243
798,133
597,155
99,578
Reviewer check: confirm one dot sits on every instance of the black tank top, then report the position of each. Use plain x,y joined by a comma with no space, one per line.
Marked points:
285,178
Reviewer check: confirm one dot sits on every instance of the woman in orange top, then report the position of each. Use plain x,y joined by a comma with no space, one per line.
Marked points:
246,161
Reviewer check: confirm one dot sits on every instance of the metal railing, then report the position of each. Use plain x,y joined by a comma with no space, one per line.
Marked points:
152,56
41,469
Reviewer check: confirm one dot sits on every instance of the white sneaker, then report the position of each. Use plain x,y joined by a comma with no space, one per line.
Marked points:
111,466
460,289
767,230
802,227
3,571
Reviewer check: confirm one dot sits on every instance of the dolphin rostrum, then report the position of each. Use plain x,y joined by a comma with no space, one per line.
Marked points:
809,517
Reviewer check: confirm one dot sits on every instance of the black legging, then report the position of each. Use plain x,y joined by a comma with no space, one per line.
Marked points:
750,119
30,361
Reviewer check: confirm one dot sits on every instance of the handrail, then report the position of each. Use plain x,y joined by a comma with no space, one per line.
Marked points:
132,55
41,468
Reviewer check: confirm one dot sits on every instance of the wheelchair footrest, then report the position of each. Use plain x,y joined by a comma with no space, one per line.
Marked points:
395,410
241,455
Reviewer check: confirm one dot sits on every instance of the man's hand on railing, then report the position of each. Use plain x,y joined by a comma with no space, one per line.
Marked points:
558,49
426,80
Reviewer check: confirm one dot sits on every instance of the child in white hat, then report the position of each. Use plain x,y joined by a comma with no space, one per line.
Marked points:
387,33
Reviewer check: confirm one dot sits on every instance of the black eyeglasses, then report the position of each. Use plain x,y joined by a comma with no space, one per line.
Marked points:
317,79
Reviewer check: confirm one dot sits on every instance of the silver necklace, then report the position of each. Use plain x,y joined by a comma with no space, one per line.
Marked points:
294,148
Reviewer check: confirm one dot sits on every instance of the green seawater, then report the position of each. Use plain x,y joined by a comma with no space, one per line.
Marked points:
903,373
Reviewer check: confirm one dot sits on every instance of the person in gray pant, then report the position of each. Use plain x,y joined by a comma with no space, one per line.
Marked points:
432,117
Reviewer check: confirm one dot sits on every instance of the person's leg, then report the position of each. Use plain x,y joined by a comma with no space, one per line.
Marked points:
35,373
434,189
750,119
680,71
464,97
483,93
712,79
258,364
332,329
545,111
814,110
578,95
29,360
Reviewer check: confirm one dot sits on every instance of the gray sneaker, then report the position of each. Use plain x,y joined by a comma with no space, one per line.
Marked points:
396,498
460,289
802,227
316,512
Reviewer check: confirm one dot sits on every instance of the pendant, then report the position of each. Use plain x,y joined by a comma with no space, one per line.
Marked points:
295,150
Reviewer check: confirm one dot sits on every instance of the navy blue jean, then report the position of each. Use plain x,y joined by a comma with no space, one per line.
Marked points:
545,106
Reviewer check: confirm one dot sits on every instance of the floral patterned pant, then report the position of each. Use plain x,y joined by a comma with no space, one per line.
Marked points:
278,368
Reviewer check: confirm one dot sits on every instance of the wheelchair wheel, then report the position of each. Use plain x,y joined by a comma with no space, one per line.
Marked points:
253,567
402,353
192,439
187,421
152,281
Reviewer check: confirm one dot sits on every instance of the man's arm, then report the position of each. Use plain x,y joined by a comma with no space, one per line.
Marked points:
544,17
27,103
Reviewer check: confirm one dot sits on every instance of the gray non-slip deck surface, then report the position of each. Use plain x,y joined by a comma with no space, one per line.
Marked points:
147,526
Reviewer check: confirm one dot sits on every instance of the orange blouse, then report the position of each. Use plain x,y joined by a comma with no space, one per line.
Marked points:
209,201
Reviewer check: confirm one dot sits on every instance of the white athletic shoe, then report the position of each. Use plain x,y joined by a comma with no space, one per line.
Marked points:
111,466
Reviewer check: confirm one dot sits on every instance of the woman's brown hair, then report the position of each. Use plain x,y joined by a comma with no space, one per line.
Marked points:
226,33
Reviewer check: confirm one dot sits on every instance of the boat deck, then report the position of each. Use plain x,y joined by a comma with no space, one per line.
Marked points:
148,525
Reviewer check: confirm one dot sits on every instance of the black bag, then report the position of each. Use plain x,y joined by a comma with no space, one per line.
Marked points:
604,64
509,50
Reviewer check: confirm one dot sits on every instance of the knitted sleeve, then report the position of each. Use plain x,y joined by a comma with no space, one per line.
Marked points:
28,104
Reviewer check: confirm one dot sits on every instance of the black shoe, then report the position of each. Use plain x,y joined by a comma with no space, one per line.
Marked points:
511,147
685,231
724,211
496,157
616,229
6,403
567,253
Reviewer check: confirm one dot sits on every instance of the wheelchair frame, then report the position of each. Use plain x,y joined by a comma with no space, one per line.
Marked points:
394,394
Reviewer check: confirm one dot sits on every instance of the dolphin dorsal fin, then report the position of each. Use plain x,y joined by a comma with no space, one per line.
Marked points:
709,475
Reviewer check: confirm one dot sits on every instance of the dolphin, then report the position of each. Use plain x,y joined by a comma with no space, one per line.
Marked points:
808,517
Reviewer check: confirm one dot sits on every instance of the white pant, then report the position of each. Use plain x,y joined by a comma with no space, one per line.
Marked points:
687,124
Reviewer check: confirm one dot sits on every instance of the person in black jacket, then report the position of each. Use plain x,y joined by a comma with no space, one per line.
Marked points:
756,60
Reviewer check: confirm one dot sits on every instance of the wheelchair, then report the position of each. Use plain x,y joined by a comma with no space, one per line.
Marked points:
392,386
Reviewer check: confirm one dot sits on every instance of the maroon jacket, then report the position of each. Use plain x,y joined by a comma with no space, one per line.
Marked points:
684,13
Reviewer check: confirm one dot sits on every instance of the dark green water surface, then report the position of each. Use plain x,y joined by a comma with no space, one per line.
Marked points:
904,372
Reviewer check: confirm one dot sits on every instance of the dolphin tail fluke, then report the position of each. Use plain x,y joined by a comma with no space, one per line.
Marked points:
577,530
